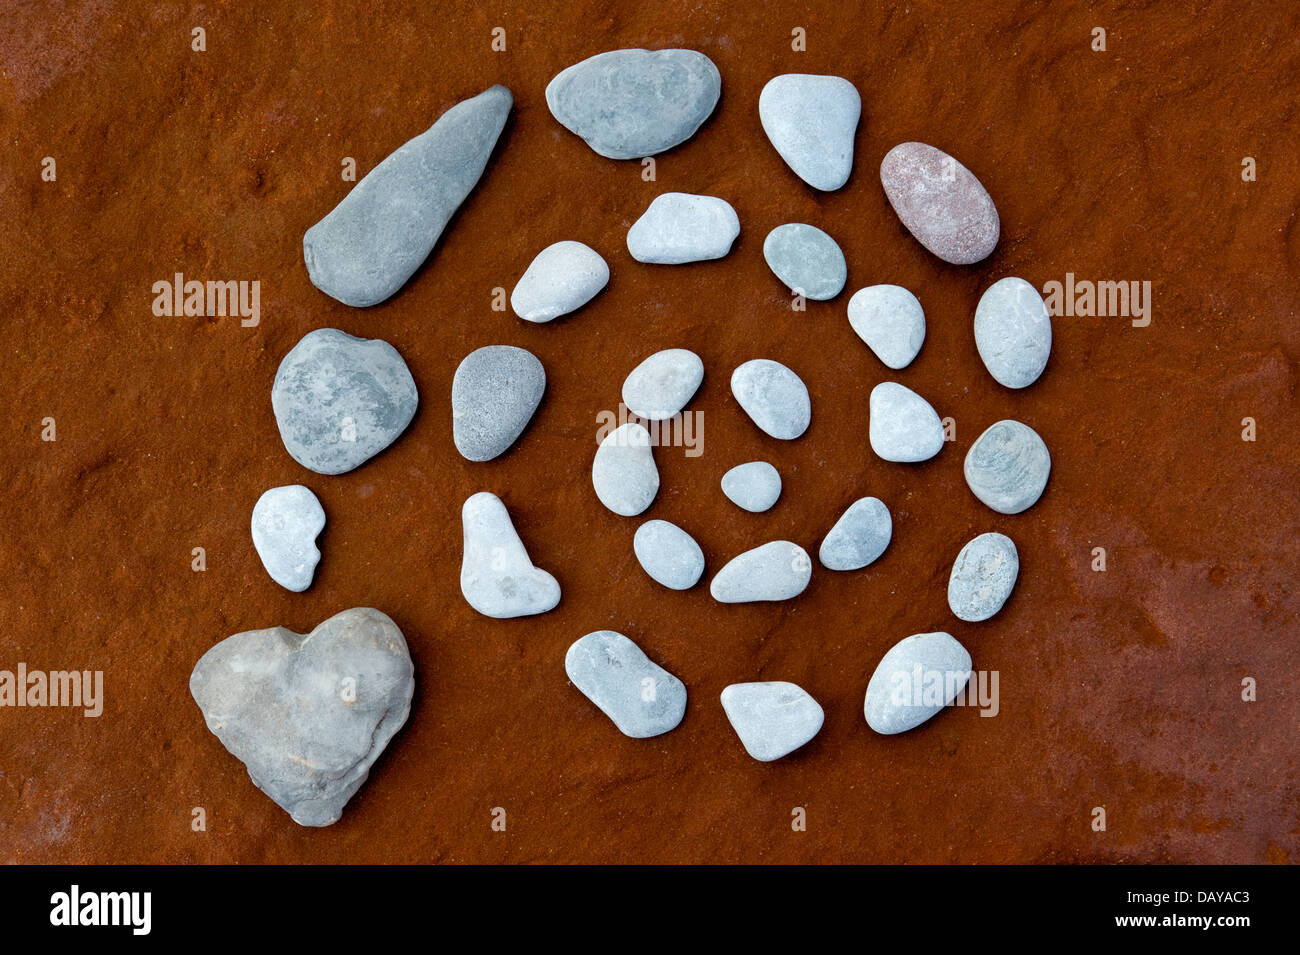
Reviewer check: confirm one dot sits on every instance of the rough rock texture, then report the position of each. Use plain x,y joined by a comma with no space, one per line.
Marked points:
982,577
494,393
940,202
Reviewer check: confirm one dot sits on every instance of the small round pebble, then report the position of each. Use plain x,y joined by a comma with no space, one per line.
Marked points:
286,521
563,278
778,570
982,577
917,678
663,384
641,697
668,554
754,486
680,227
774,397
890,320
624,473
1007,467
811,120
807,260
771,719
859,537
494,393
940,202
903,426
1013,332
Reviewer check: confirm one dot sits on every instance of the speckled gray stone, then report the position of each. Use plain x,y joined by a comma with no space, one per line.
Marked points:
496,576
774,397
890,320
308,714
917,678
1007,467
628,104
940,202
680,227
340,400
366,248
285,523
623,472
903,426
641,697
811,120
807,260
778,570
663,384
771,719
1013,332
859,537
668,554
561,279
494,393
982,577
755,486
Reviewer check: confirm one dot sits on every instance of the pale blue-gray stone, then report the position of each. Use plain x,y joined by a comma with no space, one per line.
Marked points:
755,486
859,537
811,120
680,227
496,576
982,577
1013,332
917,678
771,719
1007,467
773,396
903,426
641,697
285,523
623,472
890,320
778,570
668,554
561,279
494,393
663,384
807,260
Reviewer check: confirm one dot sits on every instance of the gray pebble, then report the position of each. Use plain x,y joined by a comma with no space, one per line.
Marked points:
561,279
859,537
366,248
641,697
680,227
771,719
890,320
308,715
285,523
623,472
1013,332
1007,467
628,104
811,120
496,576
807,260
982,577
494,393
903,426
663,384
778,570
940,202
668,554
755,486
773,396
917,678
340,400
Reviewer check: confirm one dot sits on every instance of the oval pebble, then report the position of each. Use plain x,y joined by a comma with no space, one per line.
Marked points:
1007,467
940,202
668,554
494,393
772,719
1013,332
859,537
497,578
811,120
778,570
982,577
680,227
903,427
624,473
900,697
561,279
641,697
773,396
286,521
890,320
662,385
755,486
807,260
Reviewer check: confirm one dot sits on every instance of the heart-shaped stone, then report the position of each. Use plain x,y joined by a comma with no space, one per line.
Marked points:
308,714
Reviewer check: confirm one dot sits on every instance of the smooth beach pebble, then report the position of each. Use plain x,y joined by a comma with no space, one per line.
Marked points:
628,104
859,537
940,202
366,248
561,279
774,397
623,473
778,570
496,576
663,384
811,120
917,678
494,393
1013,332
680,227
982,577
1007,467
890,320
308,714
286,521
641,697
771,719
903,426
807,260
668,554
340,400
755,486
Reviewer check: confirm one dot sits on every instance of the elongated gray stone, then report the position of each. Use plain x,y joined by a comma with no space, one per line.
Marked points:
771,719
773,396
680,227
623,472
668,554
811,120
663,384
308,714
859,537
641,697
1013,332
940,202
755,486
285,523
982,577
496,576
778,570
628,104
368,245
340,400
903,426
494,393
1007,467
890,320
807,260
917,678
561,279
